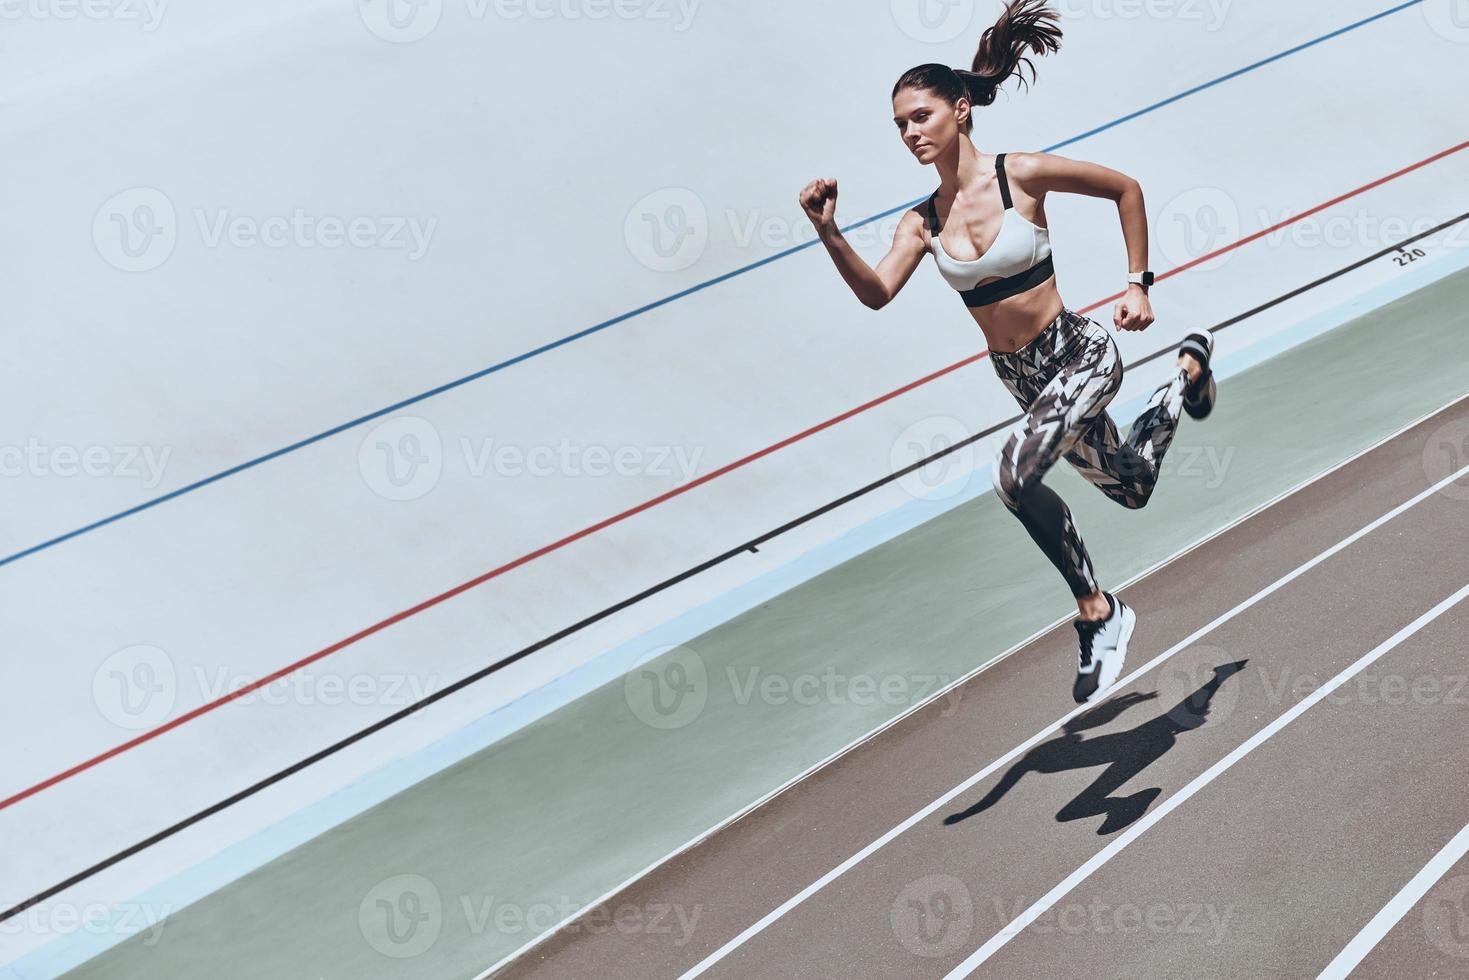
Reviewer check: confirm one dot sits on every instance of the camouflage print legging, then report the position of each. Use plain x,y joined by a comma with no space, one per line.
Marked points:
1063,379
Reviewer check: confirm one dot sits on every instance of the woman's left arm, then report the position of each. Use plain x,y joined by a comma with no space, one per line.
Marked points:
1042,173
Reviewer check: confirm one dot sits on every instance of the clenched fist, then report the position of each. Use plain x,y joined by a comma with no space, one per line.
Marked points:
1133,311
819,201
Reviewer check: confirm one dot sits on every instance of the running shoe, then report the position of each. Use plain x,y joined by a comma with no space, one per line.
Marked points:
1198,397
1103,650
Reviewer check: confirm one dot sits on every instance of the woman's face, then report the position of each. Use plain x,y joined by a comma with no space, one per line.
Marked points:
926,123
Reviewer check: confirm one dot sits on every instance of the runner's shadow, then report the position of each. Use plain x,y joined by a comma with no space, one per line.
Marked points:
1125,754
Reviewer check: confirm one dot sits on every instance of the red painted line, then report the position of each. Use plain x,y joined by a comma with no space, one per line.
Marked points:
378,627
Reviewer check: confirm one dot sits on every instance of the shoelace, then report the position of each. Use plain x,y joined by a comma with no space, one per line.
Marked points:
1087,631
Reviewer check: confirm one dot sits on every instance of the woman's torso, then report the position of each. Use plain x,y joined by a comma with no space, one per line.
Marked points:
977,214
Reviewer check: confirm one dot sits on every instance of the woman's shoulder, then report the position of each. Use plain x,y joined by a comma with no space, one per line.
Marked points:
1025,164
915,222
1029,173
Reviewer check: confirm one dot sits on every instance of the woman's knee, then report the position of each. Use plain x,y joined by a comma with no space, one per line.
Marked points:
1136,477
1137,499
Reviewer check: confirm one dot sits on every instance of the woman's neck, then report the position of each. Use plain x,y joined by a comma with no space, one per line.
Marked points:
962,165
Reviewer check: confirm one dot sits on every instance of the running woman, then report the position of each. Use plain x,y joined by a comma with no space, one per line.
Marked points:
1063,368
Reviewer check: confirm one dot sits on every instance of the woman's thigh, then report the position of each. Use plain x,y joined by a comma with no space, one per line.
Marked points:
1065,408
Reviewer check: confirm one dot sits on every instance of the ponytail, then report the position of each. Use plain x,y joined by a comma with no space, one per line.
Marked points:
1026,25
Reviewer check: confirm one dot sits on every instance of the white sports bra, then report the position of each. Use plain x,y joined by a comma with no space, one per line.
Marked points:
1020,256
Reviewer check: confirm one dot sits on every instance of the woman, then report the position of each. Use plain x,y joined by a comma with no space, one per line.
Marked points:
1063,368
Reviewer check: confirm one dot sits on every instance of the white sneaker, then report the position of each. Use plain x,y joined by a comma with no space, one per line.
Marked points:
1103,650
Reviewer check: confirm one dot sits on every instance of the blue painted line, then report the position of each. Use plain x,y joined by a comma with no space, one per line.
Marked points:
605,324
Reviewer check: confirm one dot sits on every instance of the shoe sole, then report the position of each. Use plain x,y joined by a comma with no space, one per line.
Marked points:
1128,625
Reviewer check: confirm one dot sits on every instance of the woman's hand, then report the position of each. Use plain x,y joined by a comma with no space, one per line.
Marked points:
819,201
1133,311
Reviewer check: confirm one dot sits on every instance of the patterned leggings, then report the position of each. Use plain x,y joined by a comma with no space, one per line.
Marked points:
1063,379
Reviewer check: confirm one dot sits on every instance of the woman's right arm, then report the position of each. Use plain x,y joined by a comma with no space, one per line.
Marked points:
874,287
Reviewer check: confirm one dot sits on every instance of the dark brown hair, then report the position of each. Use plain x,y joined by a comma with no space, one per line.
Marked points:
1026,25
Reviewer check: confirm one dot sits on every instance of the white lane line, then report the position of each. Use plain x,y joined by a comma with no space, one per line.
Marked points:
1346,961
1199,782
826,879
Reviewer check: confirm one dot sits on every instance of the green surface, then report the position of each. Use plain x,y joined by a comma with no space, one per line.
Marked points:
567,808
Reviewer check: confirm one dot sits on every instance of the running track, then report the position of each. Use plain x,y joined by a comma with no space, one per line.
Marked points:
1275,788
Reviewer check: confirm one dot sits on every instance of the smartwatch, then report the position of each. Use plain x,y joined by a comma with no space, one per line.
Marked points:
1144,279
